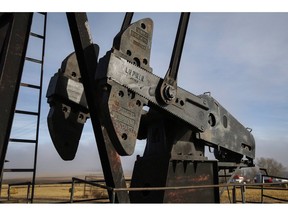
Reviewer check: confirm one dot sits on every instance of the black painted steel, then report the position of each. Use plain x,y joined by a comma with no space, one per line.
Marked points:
127,20
178,47
168,88
15,31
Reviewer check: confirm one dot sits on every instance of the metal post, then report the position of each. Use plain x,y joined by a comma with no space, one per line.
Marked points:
127,21
170,79
229,180
13,51
39,108
87,57
178,46
9,192
243,193
28,190
72,191
262,191
1,177
234,194
113,196
262,188
84,192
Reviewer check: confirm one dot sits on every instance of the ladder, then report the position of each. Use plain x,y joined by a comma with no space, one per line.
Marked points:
32,71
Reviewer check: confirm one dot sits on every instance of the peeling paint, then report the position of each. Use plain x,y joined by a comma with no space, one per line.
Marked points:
89,32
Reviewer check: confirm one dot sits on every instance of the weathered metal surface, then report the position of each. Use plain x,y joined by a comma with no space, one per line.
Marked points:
122,113
150,172
230,138
68,108
134,43
187,107
201,113
124,107
14,34
155,172
196,173
172,157
132,71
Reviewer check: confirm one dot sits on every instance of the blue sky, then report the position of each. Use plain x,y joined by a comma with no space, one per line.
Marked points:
241,58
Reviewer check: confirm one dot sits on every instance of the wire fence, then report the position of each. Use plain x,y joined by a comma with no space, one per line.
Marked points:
92,189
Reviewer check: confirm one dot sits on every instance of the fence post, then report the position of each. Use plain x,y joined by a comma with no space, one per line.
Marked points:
72,191
28,191
84,193
113,196
9,192
243,188
234,194
262,188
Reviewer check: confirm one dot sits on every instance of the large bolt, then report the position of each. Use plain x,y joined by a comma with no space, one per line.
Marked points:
169,92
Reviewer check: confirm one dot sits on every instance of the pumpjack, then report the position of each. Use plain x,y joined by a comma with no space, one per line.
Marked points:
127,102
177,125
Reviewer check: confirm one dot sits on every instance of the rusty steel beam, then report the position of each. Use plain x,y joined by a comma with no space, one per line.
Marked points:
87,55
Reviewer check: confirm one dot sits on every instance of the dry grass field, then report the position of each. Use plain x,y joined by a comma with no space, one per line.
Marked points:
52,193
55,193
252,195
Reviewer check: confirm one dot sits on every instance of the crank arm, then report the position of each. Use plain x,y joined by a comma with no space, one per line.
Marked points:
168,88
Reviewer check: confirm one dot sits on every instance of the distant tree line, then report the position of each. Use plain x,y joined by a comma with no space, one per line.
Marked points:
273,168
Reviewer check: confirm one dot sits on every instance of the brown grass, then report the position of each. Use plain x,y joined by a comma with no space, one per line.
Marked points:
253,195
50,193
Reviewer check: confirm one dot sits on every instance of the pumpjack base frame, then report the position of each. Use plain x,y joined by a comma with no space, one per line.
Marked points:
173,173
